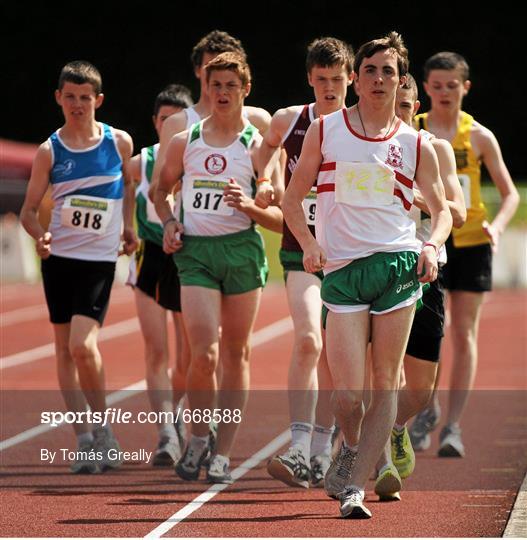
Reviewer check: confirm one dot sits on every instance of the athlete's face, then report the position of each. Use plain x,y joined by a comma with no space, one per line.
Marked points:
330,85
78,101
446,89
162,114
378,77
225,90
406,105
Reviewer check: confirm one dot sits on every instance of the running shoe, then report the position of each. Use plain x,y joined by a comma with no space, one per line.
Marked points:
450,443
319,467
167,453
290,468
339,472
107,445
425,422
213,436
83,463
218,471
388,483
189,465
403,455
352,504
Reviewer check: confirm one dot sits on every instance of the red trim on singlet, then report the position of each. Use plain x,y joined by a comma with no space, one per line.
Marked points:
305,111
418,151
405,181
359,136
328,166
398,193
321,129
322,188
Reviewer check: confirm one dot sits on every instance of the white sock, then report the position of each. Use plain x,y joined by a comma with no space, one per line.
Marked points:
354,448
301,437
84,438
167,430
321,440
198,443
399,427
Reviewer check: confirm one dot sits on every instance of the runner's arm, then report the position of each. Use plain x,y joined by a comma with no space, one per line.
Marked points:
304,175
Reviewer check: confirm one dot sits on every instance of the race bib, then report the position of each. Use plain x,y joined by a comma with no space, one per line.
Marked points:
310,206
151,214
86,213
464,180
206,197
363,184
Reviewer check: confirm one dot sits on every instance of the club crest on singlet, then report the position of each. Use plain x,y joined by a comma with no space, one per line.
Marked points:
215,164
65,168
395,156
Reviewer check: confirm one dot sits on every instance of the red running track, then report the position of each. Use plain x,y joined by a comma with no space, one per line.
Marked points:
468,497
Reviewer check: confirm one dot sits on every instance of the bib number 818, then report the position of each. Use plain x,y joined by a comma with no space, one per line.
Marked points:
77,220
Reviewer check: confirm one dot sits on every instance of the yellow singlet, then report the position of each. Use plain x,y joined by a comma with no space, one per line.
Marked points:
469,174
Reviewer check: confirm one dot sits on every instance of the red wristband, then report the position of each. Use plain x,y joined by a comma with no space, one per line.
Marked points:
262,181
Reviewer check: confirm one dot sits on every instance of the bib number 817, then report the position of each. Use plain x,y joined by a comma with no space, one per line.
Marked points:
200,200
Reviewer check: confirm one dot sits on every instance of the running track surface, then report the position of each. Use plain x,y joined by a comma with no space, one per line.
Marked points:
444,497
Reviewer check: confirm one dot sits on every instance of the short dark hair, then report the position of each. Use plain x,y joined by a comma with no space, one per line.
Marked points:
176,95
215,42
230,61
81,72
393,41
447,60
328,52
410,84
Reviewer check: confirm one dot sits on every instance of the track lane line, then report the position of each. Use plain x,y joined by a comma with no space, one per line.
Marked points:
261,336
264,453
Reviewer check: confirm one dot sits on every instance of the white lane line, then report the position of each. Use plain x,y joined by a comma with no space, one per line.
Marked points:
112,399
267,451
517,524
119,329
265,334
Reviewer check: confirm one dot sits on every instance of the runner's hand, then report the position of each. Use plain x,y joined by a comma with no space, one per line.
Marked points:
44,245
234,196
493,234
264,195
130,242
314,258
427,264
172,237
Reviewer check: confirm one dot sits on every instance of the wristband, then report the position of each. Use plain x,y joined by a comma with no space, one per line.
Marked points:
433,245
165,223
262,181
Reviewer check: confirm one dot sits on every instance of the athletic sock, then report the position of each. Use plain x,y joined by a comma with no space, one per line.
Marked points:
167,430
321,440
84,438
197,445
399,427
301,437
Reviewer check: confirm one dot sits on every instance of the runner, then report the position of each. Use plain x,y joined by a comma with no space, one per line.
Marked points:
154,277
207,48
468,273
329,72
422,352
367,160
84,162
220,258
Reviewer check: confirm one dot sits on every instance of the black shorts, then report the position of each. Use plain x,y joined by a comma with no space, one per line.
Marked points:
427,329
157,275
76,287
468,268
